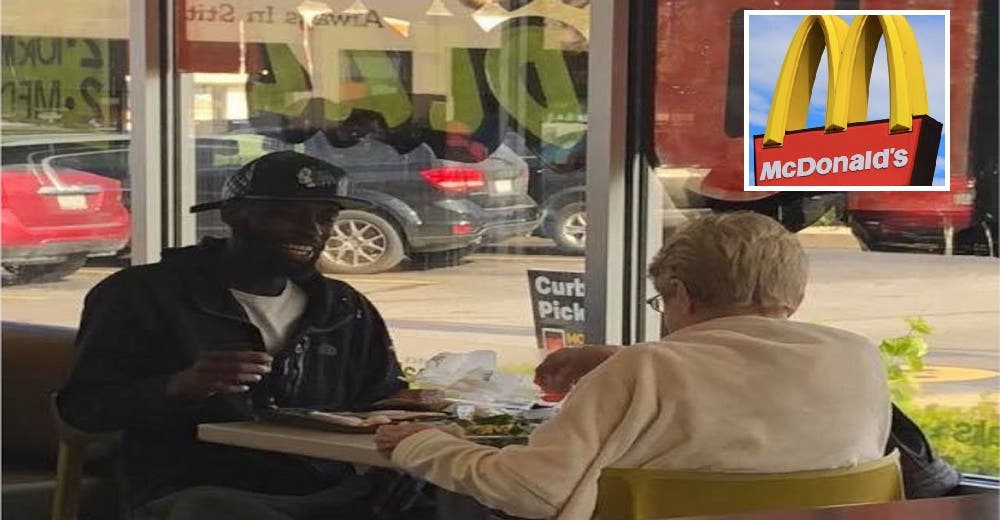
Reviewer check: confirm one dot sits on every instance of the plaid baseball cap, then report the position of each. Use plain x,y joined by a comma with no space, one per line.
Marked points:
287,175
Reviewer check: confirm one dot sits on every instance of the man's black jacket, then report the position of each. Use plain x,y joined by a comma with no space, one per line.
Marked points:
144,323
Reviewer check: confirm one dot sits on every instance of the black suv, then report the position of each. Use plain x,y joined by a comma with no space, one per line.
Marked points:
426,208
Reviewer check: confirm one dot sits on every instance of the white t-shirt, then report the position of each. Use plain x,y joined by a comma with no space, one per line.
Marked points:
274,316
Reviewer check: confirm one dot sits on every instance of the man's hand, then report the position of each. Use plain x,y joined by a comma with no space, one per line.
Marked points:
389,436
564,367
226,372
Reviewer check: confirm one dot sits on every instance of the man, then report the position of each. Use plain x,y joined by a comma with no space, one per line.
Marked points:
215,330
736,386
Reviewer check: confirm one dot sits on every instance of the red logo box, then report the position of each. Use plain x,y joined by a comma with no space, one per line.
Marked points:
866,154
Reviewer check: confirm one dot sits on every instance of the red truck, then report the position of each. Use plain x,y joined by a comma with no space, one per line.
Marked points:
698,128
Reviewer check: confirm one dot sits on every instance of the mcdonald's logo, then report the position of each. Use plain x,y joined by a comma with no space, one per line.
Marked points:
849,151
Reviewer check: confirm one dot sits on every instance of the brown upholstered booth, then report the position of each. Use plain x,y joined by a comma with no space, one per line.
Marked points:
36,361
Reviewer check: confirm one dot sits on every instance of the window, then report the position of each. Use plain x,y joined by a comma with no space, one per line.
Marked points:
734,93
464,126
65,126
864,275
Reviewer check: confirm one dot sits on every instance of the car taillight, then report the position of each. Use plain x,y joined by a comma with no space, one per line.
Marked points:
461,229
455,179
967,197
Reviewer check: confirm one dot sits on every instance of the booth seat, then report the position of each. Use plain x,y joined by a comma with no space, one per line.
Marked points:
36,360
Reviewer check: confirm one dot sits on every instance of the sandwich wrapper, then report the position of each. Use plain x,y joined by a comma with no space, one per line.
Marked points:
473,378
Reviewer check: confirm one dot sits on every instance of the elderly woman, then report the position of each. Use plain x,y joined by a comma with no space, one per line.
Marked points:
736,386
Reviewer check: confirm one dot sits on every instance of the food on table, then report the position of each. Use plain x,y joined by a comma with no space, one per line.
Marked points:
406,415
412,405
497,425
350,420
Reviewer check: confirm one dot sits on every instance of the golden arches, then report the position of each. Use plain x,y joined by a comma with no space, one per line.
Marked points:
850,57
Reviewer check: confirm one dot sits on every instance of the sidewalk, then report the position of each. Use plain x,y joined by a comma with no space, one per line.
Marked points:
828,237
816,237
964,400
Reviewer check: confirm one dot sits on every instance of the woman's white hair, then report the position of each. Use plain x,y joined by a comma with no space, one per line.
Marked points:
734,262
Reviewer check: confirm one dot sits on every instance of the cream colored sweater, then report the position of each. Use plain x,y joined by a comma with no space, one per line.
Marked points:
736,394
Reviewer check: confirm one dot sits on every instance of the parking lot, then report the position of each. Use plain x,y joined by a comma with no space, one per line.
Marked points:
484,303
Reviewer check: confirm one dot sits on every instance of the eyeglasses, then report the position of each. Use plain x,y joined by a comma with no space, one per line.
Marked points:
656,303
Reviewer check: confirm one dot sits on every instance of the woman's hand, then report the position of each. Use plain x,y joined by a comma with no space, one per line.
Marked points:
389,436
563,368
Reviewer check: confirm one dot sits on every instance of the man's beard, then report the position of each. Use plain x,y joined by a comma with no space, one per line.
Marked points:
267,257
296,270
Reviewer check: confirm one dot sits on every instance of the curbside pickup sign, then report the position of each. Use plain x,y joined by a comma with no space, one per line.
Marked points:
850,152
558,309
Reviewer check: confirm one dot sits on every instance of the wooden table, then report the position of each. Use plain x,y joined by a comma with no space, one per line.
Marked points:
360,450
344,447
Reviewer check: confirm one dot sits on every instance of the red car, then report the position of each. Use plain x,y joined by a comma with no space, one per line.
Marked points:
54,220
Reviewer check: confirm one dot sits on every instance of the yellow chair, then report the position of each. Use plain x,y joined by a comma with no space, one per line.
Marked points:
645,494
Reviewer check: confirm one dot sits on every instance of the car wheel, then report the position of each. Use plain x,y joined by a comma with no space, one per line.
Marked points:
361,243
569,228
46,273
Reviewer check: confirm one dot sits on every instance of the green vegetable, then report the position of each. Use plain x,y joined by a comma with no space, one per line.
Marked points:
496,419
505,425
